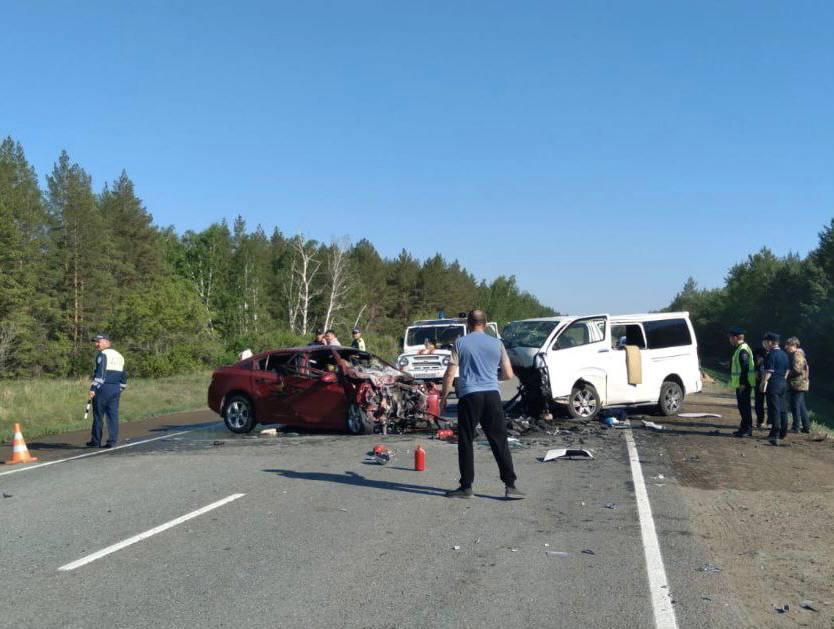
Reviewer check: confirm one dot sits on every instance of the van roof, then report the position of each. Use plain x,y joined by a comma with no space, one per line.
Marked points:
425,322
649,316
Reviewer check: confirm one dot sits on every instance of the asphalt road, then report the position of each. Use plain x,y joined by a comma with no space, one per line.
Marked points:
320,539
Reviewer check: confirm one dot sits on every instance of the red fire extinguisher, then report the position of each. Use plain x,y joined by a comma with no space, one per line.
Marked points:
419,459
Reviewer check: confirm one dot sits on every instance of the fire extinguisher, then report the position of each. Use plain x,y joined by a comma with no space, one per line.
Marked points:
419,459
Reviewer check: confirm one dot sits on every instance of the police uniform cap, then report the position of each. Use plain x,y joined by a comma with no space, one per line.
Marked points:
772,337
736,331
101,337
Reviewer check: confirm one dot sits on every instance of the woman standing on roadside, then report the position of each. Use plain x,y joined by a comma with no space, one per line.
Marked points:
799,383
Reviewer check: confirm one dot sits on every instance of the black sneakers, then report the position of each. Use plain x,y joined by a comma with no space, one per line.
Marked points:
93,444
513,493
460,492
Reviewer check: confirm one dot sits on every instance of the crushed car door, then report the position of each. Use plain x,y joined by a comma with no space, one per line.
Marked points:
316,394
577,353
269,388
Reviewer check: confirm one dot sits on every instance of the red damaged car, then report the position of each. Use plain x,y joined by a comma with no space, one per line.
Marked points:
333,388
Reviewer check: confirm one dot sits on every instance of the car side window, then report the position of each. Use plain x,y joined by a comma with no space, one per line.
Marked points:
261,363
627,334
581,333
278,362
320,361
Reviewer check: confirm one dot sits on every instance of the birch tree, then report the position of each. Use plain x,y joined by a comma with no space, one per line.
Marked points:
305,271
339,280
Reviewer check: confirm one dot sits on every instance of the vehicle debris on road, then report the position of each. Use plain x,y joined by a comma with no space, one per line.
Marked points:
652,425
699,415
556,553
708,567
566,453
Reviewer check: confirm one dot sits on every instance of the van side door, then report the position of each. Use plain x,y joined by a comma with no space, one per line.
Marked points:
578,353
619,390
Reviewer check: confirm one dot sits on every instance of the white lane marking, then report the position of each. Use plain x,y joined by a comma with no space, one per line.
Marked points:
664,612
138,538
102,451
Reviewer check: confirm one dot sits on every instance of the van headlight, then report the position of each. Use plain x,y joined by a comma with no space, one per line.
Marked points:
402,363
445,361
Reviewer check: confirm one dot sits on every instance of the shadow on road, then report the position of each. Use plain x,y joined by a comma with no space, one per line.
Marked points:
352,478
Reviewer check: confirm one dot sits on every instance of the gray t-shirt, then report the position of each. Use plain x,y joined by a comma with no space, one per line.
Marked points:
478,358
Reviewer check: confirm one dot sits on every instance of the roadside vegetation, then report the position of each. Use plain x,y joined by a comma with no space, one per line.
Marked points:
75,262
51,406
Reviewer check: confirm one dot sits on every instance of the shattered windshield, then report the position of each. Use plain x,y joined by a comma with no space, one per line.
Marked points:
527,333
362,362
443,336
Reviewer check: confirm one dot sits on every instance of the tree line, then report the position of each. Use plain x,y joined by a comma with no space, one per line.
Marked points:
791,295
74,262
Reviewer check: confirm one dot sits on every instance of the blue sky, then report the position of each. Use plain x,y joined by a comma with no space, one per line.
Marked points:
600,151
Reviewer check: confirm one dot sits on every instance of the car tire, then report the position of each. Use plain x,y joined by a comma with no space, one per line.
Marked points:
238,414
358,421
671,398
584,402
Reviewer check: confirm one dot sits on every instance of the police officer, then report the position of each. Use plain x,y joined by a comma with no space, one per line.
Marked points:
358,342
109,380
743,380
775,387
477,358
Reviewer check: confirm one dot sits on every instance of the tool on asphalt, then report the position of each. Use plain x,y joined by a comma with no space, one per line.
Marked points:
20,453
566,453
419,459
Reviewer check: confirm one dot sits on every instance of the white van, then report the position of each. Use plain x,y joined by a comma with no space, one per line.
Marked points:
443,333
592,362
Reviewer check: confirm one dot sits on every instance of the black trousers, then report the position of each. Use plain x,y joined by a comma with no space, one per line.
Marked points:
106,403
484,408
777,410
760,404
744,409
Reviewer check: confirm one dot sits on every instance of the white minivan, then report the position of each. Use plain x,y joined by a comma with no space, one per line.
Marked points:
591,362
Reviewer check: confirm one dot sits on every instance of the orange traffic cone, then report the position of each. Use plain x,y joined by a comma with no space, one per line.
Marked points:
20,453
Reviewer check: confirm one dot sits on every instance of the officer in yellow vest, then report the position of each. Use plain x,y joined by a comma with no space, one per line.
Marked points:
743,380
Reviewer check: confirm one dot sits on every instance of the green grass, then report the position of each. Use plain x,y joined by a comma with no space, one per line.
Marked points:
47,407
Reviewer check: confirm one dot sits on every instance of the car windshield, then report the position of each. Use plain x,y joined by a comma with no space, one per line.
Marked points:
363,362
527,333
443,336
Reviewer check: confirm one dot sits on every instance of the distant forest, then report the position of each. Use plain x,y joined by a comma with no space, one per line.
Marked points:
74,262
790,295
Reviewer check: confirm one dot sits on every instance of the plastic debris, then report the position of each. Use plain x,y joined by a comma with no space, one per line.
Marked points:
556,553
513,550
708,567
699,415
651,425
380,455
809,605
567,453
269,432
610,505
5,495
218,443
444,434
455,547
588,551
784,609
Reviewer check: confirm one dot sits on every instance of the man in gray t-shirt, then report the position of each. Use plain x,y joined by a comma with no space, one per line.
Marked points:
477,359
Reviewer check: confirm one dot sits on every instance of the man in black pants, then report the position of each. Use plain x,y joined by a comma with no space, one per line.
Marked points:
775,386
477,358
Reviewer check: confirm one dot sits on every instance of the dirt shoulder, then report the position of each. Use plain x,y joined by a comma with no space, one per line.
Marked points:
765,513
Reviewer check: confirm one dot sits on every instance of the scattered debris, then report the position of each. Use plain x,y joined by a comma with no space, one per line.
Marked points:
342,509
455,547
699,415
692,459
708,567
380,455
566,453
556,553
269,432
610,505
660,477
651,425
706,598
588,551
513,550
784,609
5,495
809,605
444,434
218,443
547,545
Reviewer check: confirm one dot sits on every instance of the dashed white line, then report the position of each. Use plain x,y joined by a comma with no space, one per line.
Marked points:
138,538
102,451
664,612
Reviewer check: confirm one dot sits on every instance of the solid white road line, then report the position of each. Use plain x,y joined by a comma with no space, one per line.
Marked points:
138,538
664,613
102,451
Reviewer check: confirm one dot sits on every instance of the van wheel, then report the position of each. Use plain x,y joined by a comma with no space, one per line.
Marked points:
671,398
238,414
358,421
583,402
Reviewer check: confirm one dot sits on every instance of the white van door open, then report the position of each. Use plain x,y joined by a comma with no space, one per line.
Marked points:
575,355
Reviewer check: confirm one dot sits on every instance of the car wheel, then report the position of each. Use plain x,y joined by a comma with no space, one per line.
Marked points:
583,402
358,421
671,398
238,414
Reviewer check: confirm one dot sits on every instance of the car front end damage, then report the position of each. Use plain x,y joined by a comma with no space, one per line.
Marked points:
534,397
396,401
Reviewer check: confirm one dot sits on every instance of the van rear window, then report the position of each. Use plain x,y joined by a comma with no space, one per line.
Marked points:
667,333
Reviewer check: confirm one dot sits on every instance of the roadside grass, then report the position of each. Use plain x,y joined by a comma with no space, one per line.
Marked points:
822,413
48,407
